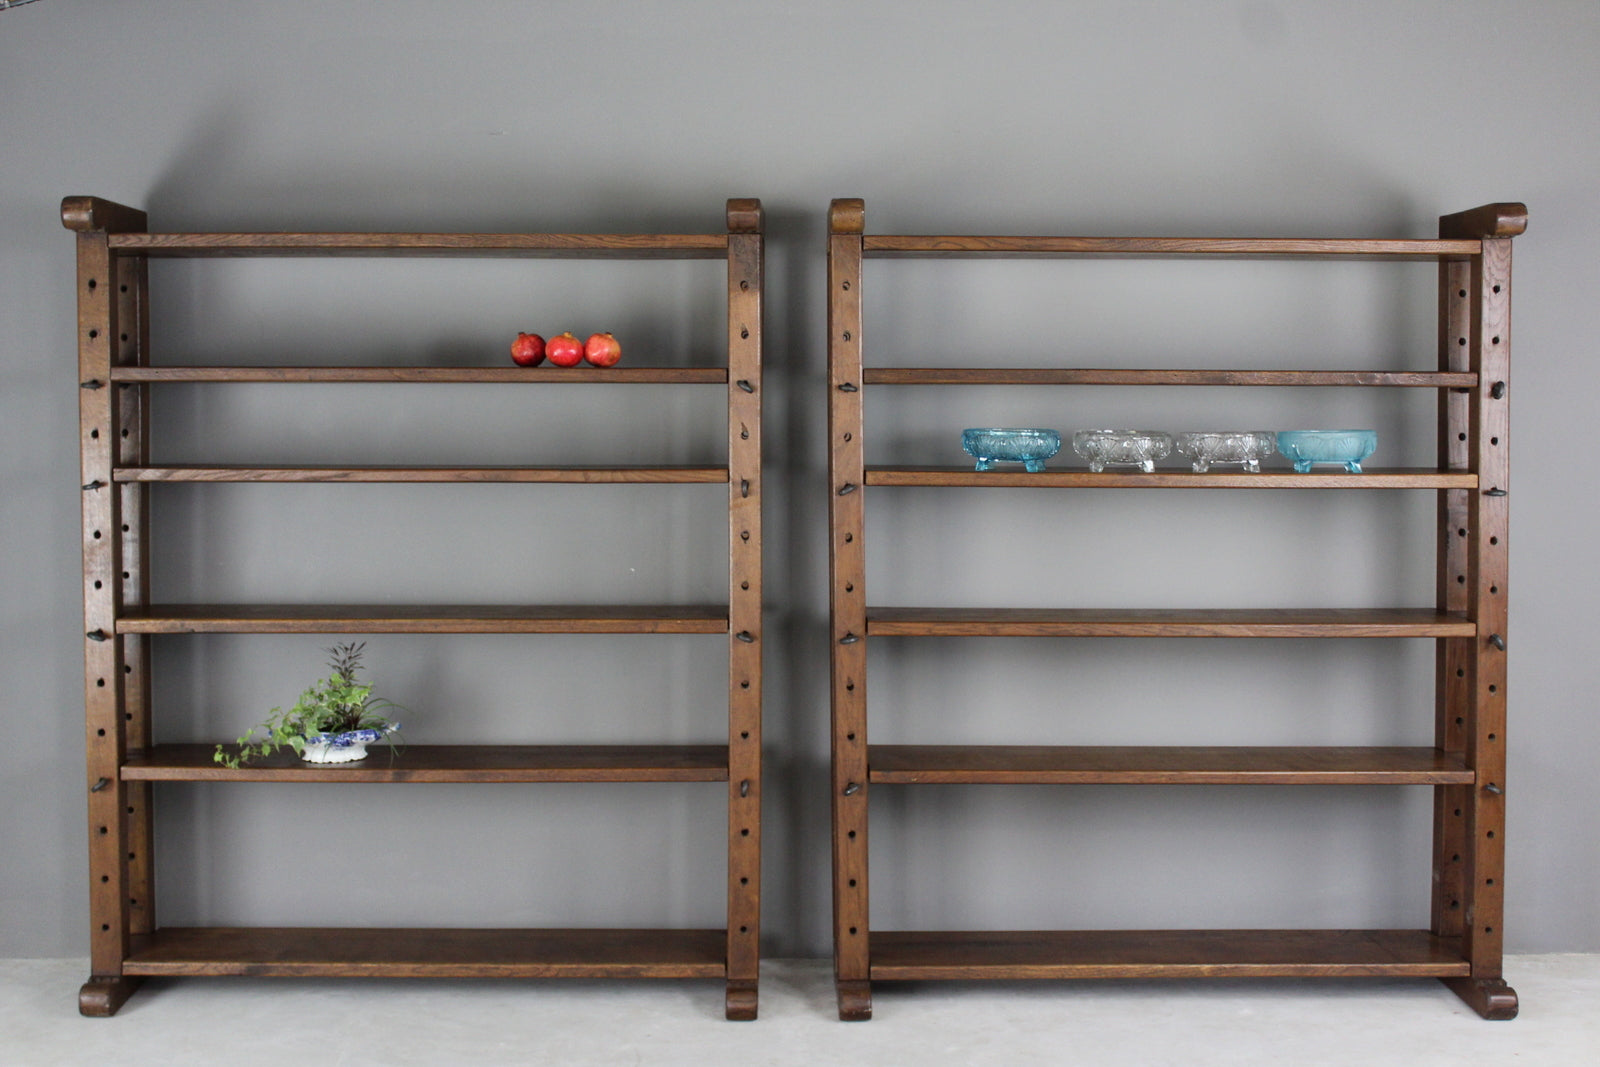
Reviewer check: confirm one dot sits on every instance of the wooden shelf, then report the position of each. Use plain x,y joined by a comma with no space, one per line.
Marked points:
1165,765
1165,954
447,763
1163,622
568,475
434,375
415,619
321,952
1102,376
943,246
1082,478
475,245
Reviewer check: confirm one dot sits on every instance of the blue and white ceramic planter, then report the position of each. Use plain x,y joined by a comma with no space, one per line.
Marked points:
343,748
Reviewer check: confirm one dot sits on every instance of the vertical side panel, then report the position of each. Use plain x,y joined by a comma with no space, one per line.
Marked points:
1488,513
132,449
848,614
1453,685
745,282
105,722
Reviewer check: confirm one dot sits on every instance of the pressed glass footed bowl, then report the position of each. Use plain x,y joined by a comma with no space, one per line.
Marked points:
1245,447
1305,447
1139,448
995,445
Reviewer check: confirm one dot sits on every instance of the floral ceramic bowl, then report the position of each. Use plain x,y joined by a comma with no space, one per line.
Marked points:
1349,447
1027,447
1244,447
343,748
1137,448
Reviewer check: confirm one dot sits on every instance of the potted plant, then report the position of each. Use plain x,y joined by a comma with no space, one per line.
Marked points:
333,721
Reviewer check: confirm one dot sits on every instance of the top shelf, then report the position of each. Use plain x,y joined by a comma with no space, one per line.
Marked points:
524,245
971,246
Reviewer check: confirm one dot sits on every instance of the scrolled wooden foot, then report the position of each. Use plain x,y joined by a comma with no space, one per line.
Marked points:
742,999
1489,997
102,996
855,1000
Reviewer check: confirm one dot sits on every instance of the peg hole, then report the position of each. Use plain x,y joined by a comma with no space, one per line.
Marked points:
1458,815
744,881
1495,340
1488,881
1494,689
122,288
744,535
100,733
129,716
1461,437
1455,904
849,587
1456,858
124,435
105,927
93,334
849,737
1497,288
847,335
1488,929
93,284
133,855
1489,834
744,331
744,585
126,575
744,735
124,527
852,834
1462,532
1492,737
1461,672
850,687
846,285
849,437
104,830
104,878
100,683
97,583
1494,589
852,930
1460,721
1461,292
94,435
745,832
848,538
744,286
1494,540
852,883
127,668
745,684
1461,579
1462,341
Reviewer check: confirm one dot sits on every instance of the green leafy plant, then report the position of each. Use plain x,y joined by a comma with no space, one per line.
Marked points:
334,705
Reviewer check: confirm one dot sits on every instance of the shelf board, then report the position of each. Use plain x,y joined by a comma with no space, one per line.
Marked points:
529,245
571,475
1164,954
316,952
1083,478
543,375
1095,622
1103,376
447,763
891,245
1164,765
419,619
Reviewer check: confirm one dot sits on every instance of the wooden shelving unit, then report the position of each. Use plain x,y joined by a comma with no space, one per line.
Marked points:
1465,767
115,377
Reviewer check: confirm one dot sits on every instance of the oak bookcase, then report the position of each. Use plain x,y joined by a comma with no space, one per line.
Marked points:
1465,767
115,377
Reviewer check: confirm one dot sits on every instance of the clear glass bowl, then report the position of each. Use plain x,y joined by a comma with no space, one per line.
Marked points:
995,445
1245,447
1138,448
1349,447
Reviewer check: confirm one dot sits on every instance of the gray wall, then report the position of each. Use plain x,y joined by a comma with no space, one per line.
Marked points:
1235,118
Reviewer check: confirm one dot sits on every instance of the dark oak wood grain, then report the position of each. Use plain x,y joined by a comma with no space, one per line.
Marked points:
1156,622
446,763
413,619
1083,478
1488,221
325,952
569,475
1164,954
1163,765
1011,247
544,375
1104,376
475,245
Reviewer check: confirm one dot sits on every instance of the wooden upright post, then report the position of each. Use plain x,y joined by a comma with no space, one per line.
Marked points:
847,567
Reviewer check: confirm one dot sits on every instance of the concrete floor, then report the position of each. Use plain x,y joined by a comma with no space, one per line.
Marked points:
238,1022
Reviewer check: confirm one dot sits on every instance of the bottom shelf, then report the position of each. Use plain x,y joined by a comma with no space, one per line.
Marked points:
1164,954
428,953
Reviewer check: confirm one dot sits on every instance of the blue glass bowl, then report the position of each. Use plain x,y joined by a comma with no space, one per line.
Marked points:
1305,447
1027,447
